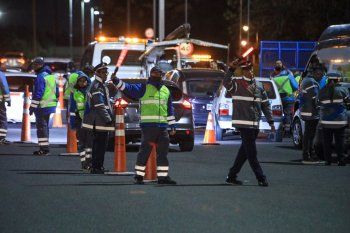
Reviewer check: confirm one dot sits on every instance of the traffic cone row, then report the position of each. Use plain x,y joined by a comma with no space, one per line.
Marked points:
25,133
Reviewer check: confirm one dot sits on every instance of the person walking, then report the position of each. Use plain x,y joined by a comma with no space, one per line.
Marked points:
4,99
98,117
248,102
44,102
333,118
157,114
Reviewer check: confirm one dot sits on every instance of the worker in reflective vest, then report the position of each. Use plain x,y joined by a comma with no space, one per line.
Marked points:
309,112
157,114
76,112
98,117
4,98
286,85
43,104
248,102
333,117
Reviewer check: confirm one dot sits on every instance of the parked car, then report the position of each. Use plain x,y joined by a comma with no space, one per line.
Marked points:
183,116
199,85
333,50
17,82
13,60
222,111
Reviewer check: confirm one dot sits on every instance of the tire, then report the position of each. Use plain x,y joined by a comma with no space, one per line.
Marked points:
186,145
297,134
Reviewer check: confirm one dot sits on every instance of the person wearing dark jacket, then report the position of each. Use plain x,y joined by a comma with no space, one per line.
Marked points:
309,111
43,104
248,102
333,117
76,113
157,114
4,98
98,117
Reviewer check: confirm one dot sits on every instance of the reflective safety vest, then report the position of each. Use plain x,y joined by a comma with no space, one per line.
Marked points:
283,85
49,98
297,78
154,105
80,100
69,87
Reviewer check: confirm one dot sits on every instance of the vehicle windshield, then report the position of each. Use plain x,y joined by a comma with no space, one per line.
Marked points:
336,60
18,83
131,58
202,88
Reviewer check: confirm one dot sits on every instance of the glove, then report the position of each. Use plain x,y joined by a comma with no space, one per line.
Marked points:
8,103
31,110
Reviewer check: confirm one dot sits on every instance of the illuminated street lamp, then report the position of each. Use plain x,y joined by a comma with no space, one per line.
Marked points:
244,43
245,28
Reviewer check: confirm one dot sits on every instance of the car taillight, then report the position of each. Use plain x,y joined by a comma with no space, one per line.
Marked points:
223,110
186,104
277,110
121,103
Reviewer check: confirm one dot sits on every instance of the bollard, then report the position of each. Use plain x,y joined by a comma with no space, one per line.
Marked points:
25,133
209,136
151,166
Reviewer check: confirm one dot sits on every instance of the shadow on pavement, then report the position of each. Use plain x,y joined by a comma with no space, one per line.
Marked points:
292,162
290,147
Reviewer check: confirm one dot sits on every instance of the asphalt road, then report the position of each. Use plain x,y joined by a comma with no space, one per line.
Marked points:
51,194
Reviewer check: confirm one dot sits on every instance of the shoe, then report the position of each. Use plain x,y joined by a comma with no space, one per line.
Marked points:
138,179
41,152
233,180
3,141
166,180
263,183
96,171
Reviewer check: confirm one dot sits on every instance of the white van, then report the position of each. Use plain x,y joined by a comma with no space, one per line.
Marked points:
112,50
222,111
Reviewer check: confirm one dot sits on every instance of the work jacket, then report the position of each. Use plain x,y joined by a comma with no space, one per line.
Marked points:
4,89
98,113
249,100
333,111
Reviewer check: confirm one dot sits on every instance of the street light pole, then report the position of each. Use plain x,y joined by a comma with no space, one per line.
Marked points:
71,28
34,28
240,25
82,24
186,9
128,17
161,20
92,24
248,18
155,18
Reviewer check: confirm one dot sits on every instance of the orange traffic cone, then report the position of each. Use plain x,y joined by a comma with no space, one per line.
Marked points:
25,134
119,145
57,117
61,93
209,136
72,144
151,166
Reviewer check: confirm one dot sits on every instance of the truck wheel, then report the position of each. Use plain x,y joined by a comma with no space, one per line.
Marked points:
186,145
297,134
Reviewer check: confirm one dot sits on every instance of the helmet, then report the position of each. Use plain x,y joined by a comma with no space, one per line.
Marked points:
38,63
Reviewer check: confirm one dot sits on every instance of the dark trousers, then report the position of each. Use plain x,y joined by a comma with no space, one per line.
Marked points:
3,120
99,146
339,138
159,137
288,113
85,139
42,129
308,138
248,151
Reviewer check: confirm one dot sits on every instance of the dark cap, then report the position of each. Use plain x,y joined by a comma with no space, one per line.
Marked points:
156,69
100,66
38,61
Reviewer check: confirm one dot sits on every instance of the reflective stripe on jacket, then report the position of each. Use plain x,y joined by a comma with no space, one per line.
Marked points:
333,112
98,113
249,100
308,99
154,108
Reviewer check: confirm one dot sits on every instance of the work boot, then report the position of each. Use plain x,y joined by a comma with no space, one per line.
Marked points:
233,180
166,180
263,183
3,141
138,179
41,152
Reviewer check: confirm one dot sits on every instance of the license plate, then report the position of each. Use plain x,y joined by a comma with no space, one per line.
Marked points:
209,106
